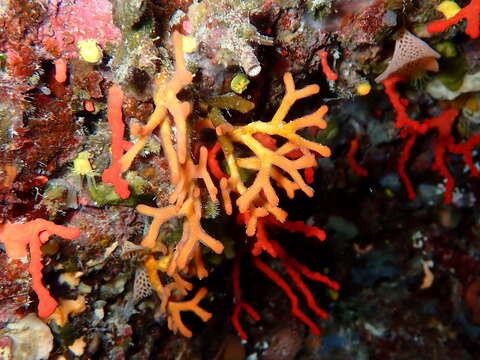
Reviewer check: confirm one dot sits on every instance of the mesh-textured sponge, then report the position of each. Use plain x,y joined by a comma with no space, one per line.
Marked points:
141,285
411,54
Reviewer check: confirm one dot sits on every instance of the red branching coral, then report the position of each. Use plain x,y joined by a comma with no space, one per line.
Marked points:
471,13
352,161
239,303
411,129
293,268
327,70
213,163
472,300
16,238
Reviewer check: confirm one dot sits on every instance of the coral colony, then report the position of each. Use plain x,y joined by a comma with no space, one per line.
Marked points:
157,156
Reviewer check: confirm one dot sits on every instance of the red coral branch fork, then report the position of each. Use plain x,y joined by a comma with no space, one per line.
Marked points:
471,13
35,233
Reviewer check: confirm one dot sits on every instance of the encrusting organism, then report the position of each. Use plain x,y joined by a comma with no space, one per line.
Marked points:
410,55
448,8
224,29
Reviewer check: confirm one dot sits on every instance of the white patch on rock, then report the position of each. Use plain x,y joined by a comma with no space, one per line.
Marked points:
32,338
471,83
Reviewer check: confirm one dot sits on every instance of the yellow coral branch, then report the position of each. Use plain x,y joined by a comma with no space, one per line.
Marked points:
291,96
169,151
260,198
152,271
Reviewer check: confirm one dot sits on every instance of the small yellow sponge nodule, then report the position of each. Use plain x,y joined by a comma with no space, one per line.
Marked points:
364,88
448,8
90,51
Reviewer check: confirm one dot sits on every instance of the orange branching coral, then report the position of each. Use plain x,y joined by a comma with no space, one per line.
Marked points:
185,201
260,199
167,105
175,322
192,235
257,200
170,307
410,55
